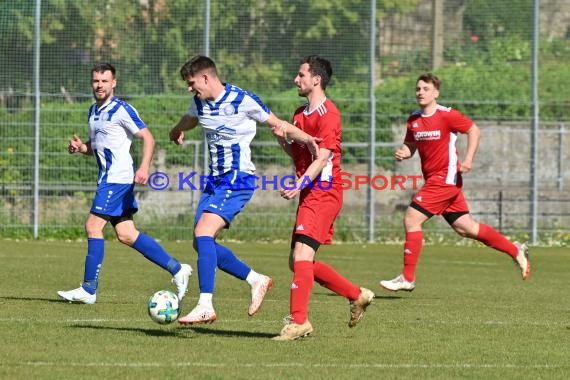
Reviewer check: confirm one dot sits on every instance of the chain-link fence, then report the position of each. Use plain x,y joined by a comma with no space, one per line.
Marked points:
486,52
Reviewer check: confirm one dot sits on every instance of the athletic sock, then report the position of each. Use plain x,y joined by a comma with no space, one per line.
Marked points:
301,290
207,262
229,263
252,277
205,299
492,238
93,263
412,250
328,277
154,252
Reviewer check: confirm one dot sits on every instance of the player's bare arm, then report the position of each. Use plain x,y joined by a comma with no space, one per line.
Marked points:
473,137
285,145
76,145
405,151
289,132
142,173
311,173
186,123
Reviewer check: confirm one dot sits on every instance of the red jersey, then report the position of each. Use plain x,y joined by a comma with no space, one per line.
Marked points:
434,137
323,122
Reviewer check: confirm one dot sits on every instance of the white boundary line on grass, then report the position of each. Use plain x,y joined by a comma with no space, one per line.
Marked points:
545,323
296,365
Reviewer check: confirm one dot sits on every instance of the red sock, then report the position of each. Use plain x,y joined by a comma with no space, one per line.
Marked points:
328,277
301,290
412,249
492,238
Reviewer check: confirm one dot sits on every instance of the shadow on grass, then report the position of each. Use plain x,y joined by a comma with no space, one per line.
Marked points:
231,333
389,297
377,296
57,300
150,332
180,332
61,300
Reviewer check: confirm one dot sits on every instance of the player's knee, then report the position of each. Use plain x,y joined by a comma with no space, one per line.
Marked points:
466,232
412,225
92,230
462,232
127,237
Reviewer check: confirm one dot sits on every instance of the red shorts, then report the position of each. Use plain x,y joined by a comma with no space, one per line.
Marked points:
441,199
318,208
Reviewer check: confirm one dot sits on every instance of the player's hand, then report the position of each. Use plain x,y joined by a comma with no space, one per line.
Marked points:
141,176
74,144
277,130
465,167
289,194
402,154
177,136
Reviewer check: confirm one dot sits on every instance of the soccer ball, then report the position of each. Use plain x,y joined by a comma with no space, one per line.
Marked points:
163,307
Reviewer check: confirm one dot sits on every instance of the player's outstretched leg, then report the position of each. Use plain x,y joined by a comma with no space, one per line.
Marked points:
258,291
181,280
522,260
359,305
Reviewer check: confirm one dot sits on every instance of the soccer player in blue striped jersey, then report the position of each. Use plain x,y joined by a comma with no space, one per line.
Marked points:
112,125
229,117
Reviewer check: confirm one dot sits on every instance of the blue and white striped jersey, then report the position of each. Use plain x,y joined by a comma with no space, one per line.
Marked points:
111,130
230,124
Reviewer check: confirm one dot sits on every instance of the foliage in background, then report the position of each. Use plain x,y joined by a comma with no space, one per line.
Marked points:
148,40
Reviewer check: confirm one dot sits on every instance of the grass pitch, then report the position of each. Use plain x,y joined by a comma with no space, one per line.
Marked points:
471,317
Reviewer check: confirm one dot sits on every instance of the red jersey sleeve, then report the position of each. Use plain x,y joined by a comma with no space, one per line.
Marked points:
458,122
409,138
329,130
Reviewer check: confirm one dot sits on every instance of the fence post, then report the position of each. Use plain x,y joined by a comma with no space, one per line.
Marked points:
37,106
371,200
437,34
561,131
535,125
500,210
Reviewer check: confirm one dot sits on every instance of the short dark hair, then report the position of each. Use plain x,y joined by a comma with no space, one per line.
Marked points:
196,64
430,78
319,66
101,67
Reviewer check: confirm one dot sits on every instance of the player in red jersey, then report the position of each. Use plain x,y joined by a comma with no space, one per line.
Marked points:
432,131
320,199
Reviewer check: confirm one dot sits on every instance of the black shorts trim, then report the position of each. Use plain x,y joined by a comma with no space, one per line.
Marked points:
416,206
305,240
114,220
451,217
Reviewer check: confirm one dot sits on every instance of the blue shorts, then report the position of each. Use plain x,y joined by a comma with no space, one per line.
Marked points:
226,195
114,199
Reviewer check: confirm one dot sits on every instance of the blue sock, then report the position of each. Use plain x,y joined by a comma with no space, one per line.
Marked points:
207,262
93,263
229,263
155,253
